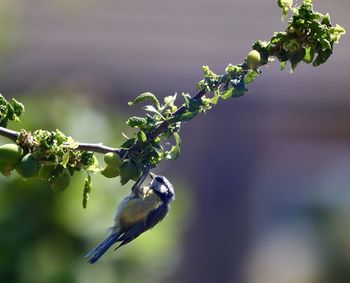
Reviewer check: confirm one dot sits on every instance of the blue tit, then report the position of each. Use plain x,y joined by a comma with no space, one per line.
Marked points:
137,213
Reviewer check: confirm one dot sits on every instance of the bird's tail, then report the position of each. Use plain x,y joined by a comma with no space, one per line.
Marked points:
101,248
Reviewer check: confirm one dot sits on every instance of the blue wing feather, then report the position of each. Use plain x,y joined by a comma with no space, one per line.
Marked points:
154,217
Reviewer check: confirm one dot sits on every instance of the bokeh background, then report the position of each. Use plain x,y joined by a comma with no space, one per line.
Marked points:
263,181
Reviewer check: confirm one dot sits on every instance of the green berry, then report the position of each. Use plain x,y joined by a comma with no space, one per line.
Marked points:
110,172
253,59
10,154
112,159
46,171
28,167
61,182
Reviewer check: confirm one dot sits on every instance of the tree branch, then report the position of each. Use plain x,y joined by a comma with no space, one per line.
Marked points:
12,135
99,147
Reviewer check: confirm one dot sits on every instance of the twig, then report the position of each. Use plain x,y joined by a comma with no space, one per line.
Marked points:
164,126
99,147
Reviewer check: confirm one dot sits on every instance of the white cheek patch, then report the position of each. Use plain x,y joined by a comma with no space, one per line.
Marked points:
163,189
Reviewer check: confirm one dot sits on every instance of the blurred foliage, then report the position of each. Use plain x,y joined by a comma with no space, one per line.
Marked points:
44,236
331,224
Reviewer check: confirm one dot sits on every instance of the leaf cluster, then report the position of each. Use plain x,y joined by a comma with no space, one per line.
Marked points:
309,37
57,149
10,111
141,148
52,156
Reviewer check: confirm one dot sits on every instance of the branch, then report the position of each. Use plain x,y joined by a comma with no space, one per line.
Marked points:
98,147
10,134
163,127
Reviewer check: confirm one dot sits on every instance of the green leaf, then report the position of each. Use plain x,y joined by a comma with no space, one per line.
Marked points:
18,107
141,137
61,137
128,143
192,104
215,99
93,166
186,116
283,65
174,152
151,109
228,94
10,112
291,45
209,73
169,103
210,79
326,20
128,170
200,85
309,54
136,122
69,143
285,5
65,159
233,70
296,57
336,33
322,57
146,96
250,76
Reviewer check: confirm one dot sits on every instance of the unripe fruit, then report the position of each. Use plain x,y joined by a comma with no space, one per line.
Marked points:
110,172
10,153
61,182
253,59
28,167
112,159
46,172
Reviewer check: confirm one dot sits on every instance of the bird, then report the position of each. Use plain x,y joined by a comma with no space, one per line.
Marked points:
137,213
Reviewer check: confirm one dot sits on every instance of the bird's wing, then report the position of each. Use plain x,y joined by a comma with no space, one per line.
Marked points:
135,209
138,228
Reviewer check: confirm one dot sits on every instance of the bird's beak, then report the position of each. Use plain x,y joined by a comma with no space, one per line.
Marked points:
152,175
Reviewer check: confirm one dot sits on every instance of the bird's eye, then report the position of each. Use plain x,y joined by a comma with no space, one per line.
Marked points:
158,179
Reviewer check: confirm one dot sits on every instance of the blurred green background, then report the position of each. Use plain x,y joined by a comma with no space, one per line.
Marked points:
262,184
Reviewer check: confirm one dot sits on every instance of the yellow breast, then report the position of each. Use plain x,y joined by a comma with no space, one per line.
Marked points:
136,209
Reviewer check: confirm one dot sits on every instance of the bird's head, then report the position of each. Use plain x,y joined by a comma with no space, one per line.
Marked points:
162,187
